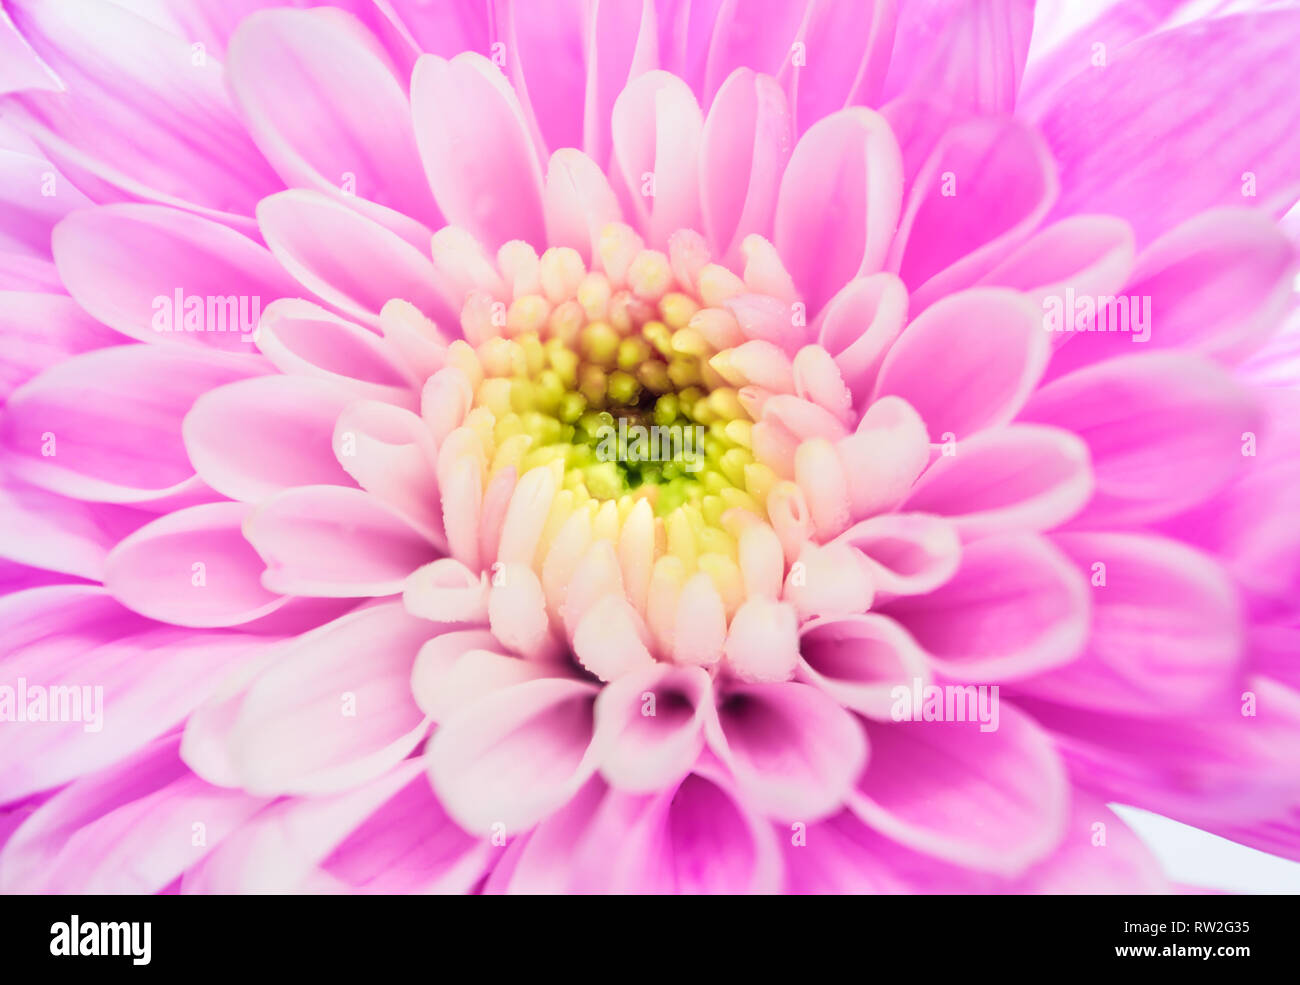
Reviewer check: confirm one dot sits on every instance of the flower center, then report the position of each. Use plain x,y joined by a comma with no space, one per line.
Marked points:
612,383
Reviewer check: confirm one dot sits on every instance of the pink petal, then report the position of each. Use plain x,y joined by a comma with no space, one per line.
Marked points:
905,553
133,829
126,115
985,188
794,751
1021,477
995,801
699,838
1116,157
968,362
192,567
1015,607
839,203
968,55
105,425
33,198
1099,855
859,326
515,755
335,542
649,726
466,102
859,660
390,453
41,330
1166,635
127,265
352,262
303,339
1218,284
1164,431
884,456
251,439
744,148
324,107
578,201
332,711
149,678
656,132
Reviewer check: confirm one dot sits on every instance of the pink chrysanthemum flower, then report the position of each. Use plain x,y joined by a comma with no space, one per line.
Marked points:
566,446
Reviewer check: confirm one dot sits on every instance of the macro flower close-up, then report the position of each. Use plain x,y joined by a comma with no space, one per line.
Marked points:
645,446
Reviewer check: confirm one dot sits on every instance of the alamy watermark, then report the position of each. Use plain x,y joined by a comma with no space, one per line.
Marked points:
57,704
181,312
947,703
1098,313
682,443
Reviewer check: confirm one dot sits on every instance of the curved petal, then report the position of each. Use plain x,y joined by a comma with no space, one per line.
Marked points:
303,339
333,710
793,750
105,425
131,829
744,148
325,108
515,755
656,129
649,726
334,542
968,362
995,801
192,567
1015,607
860,661
160,275
347,259
905,553
465,103
251,439
1164,431
137,115
986,186
1021,477
839,203
1166,635
119,680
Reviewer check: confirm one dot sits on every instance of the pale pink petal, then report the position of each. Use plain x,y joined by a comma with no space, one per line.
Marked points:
335,542
649,726
352,262
793,750
1016,607
250,439
333,710
515,755
839,203
994,800
1166,635
130,680
905,553
160,275
132,829
192,567
968,362
466,103
744,148
105,425
859,661
1164,431
327,111
1021,477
